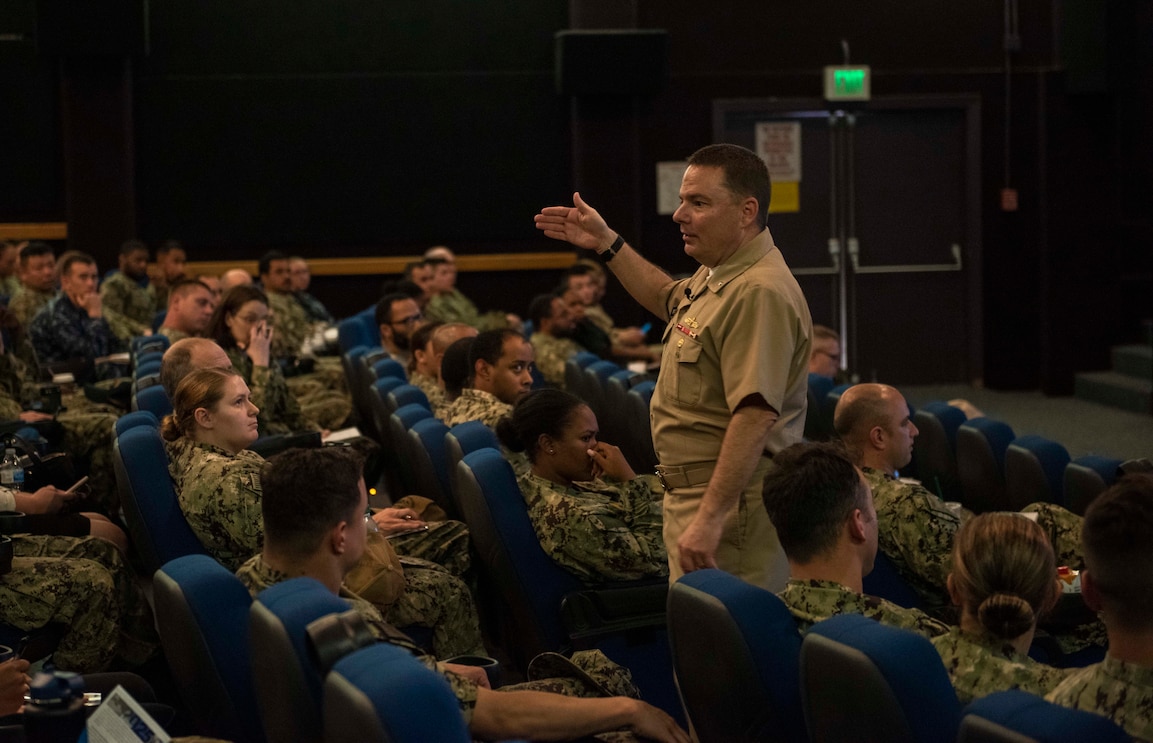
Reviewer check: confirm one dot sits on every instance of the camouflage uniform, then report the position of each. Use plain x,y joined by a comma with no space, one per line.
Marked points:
78,595
172,334
455,307
588,674
293,327
26,303
1118,690
597,315
88,428
915,531
128,305
435,598
220,496
979,666
138,638
551,354
314,308
600,530
444,542
811,601
9,285
82,585
475,405
432,390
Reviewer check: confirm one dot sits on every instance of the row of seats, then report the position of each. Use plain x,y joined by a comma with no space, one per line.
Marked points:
620,400
542,607
849,679
251,671
981,463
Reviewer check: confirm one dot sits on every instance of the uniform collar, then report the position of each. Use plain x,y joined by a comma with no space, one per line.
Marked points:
717,277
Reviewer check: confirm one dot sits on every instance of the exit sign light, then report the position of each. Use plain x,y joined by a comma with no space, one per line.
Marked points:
847,83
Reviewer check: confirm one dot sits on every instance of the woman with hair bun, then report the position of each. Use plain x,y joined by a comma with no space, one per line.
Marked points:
217,481
1004,577
590,511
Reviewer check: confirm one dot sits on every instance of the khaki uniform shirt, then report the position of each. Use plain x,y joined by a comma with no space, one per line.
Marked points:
813,600
600,530
979,666
1118,690
220,496
746,331
551,353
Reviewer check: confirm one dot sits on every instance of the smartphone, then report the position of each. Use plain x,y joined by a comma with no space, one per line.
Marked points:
410,531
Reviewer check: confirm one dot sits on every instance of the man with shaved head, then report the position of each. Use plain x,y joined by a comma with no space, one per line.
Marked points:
915,526
187,355
234,277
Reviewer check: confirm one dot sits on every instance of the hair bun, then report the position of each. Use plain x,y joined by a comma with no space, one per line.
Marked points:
1006,615
508,435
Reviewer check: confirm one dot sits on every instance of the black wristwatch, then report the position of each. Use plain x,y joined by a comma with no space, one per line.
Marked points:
608,255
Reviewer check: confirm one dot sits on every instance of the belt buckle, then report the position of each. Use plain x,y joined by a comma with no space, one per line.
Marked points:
664,483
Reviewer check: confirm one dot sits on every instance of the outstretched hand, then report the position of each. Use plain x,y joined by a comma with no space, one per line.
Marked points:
579,224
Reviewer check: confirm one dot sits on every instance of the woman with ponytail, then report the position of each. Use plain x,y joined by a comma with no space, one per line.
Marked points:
217,481
1004,577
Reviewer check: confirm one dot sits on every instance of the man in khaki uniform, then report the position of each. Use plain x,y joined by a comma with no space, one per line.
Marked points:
735,364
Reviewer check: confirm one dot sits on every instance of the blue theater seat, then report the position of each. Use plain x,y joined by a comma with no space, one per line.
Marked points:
1034,472
981,447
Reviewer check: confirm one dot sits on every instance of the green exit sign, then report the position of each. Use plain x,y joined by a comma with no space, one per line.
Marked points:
847,83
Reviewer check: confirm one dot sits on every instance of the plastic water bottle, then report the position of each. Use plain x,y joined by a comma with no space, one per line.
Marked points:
55,711
11,471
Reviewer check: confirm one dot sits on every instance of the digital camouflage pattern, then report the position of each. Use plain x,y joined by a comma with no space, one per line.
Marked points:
444,542
220,496
551,354
431,389
26,303
437,599
314,308
601,530
979,666
916,529
292,326
172,334
128,306
589,673
475,405
1118,690
455,307
810,601
83,585
78,595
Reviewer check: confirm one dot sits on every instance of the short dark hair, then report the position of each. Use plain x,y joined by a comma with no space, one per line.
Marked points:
809,493
264,265
128,247
540,309
168,246
297,518
454,368
434,262
541,412
186,286
489,346
578,269
33,249
745,173
230,304
64,265
1117,536
383,312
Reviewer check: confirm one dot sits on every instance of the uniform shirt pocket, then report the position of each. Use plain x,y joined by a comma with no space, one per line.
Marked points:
687,376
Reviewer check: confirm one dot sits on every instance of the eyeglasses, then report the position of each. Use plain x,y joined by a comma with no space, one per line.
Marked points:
410,320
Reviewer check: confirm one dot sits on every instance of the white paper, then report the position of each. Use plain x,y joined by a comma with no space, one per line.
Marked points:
121,719
343,434
669,176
